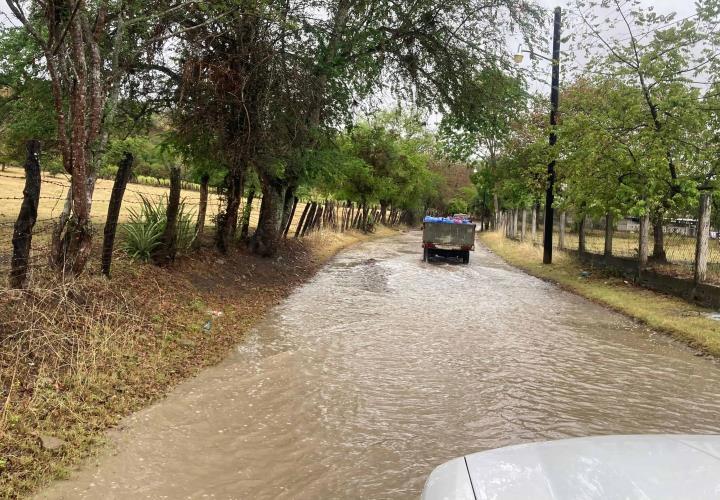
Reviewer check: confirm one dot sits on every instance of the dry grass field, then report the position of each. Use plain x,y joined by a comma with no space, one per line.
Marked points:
54,190
679,248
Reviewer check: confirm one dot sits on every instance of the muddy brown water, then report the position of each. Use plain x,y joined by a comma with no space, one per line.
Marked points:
382,367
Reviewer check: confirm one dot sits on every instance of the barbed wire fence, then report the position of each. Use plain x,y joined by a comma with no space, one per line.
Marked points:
682,247
307,216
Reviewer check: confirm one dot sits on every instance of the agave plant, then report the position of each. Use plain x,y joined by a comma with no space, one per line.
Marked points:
144,229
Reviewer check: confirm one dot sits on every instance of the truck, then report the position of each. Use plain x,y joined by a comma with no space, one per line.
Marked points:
448,237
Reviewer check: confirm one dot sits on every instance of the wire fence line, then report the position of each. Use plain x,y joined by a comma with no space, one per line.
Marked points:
672,243
307,216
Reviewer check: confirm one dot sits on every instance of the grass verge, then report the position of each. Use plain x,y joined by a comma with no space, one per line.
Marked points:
76,357
684,321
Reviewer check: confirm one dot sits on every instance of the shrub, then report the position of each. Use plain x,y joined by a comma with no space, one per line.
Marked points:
107,172
457,206
144,229
54,166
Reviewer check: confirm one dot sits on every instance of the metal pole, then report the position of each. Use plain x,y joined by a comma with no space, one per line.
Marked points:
554,99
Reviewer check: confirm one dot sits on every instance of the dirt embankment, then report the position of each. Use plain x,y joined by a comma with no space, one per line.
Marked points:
77,357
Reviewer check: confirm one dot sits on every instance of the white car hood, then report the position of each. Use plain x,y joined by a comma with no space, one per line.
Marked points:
607,467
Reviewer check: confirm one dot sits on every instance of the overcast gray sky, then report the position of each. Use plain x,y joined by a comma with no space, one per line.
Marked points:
541,69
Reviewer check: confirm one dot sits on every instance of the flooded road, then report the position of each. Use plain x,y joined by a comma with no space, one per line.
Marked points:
383,366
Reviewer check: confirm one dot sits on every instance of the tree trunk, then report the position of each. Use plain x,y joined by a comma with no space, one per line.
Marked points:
608,235
561,232
703,233
266,239
643,246
202,208
659,240
167,250
581,235
524,223
247,211
227,221
116,197
22,234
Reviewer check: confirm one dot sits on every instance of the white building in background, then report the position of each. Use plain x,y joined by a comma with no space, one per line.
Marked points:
629,225
685,227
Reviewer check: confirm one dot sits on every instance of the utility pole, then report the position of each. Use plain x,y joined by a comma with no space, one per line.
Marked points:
554,99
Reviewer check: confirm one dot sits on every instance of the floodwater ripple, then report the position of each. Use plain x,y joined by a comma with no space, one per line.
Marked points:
384,366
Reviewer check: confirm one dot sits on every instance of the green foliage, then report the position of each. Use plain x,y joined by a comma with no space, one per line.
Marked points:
143,231
151,157
457,206
638,127
26,110
483,115
53,165
385,160
107,171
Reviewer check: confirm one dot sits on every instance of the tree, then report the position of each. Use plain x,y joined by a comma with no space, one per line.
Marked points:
88,50
657,56
417,50
483,116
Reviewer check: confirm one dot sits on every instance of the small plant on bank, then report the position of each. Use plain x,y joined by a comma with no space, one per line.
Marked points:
144,229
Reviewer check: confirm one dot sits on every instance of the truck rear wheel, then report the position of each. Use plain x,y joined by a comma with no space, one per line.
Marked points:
465,257
425,254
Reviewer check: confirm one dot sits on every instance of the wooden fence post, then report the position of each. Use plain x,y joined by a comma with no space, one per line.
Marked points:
318,222
22,233
703,233
608,235
310,219
292,216
582,247
533,229
167,250
202,208
303,216
643,244
356,220
247,211
561,232
116,197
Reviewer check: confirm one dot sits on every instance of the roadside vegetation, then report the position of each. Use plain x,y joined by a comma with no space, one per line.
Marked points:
638,141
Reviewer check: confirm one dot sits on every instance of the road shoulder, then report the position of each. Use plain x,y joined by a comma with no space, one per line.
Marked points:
682,320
